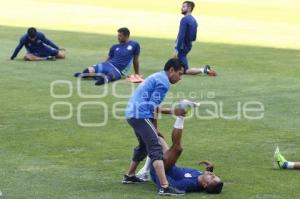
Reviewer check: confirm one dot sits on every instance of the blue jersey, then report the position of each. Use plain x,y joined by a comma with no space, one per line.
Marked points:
33,46
182,178
187,33
121,55
148,96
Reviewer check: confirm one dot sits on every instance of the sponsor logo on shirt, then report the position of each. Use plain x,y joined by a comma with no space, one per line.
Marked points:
129,47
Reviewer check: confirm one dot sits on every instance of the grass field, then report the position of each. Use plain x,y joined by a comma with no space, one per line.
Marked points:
46,158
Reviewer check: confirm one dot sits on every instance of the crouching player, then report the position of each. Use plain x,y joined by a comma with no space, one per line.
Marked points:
183,178
38,47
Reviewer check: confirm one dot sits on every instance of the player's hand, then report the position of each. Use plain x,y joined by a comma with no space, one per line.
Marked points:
208,164
179,112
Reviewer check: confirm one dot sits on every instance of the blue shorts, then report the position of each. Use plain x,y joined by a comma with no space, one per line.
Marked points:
107,68
182,56
182,178
44,51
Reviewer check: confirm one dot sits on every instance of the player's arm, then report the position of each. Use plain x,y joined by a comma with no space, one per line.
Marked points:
48,42
208,164
18,48
181,35
170,111
136,64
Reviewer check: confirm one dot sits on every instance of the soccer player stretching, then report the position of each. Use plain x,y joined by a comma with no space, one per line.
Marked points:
283,163
186,35
118,62
140,114
38,47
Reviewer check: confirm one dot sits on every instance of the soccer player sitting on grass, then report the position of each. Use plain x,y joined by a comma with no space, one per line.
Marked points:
38,47
183,178
118,62
283,163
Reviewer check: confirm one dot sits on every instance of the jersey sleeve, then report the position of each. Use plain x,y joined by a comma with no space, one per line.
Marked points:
181,34
111,52
48,42
137,49
19,47
158,95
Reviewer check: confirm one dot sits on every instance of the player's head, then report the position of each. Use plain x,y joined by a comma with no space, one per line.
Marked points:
211,183
187,7
32,33
174,68
123,34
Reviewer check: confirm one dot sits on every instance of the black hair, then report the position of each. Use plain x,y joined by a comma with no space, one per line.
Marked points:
190,4
31,32
124,31
174,63
214,188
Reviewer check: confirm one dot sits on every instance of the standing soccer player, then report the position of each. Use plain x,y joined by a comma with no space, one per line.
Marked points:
186,35
38,47
140,114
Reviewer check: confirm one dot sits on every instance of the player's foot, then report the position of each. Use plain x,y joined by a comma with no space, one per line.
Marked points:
131,180
279,159
77,74
100,80
187,104
51,58
170,191
144,175
209,71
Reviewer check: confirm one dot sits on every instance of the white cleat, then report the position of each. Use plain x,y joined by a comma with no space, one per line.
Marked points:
144,175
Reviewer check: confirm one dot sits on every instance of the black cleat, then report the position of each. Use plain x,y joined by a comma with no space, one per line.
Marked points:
100,80
132,180
170,191
77,74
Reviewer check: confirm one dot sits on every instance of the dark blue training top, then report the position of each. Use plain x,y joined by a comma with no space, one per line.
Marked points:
33,46
187,32
122,54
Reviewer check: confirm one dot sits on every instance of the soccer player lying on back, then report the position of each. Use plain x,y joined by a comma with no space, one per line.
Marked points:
38,47
283,163
183,178
118,62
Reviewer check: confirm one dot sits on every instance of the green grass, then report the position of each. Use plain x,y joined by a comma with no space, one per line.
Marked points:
46,158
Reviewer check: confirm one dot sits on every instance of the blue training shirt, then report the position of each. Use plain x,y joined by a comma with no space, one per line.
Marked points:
122,54
33,46
182,178
147,96
187,33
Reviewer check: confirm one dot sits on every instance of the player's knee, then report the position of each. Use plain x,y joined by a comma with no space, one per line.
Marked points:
91,69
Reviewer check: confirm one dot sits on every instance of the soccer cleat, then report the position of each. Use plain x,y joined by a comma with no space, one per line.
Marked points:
77,74
208,71
100,80
144,175
187,104
131,180
279,159
51,58
170,191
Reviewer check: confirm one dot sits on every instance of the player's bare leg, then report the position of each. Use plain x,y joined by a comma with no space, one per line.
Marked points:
32,57
205,71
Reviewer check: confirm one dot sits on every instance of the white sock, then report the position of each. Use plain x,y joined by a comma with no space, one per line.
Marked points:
179,123
201,70
290,165
146,166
